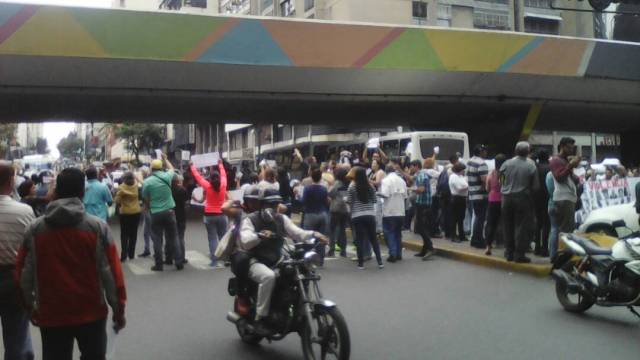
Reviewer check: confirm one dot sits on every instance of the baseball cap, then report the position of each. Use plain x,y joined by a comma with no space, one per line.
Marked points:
156,164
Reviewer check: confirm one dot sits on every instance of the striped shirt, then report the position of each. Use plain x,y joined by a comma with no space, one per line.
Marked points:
476,169
359,208
15,217
423,180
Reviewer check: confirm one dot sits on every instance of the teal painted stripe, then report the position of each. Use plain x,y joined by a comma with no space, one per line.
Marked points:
521,54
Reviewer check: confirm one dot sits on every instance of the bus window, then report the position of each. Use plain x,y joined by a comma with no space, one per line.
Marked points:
403,146
390,148
448,147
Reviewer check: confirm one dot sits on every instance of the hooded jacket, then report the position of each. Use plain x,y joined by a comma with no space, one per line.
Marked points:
128,199
68,268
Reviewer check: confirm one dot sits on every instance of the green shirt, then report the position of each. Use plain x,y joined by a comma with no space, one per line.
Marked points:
156,189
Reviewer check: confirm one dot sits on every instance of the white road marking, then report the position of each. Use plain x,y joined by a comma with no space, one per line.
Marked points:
198,260
140,270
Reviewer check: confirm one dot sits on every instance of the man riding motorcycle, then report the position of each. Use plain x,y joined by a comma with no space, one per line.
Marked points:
262,235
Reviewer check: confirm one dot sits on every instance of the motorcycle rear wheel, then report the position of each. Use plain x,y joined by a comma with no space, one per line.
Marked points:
247,336
575,303
336,343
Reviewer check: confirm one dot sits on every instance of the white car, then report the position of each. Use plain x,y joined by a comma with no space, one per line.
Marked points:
601,220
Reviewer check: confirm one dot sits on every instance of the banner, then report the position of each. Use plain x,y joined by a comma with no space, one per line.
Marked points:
604,193
205,160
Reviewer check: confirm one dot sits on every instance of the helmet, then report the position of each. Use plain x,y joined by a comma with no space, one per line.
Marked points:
271,196
251,193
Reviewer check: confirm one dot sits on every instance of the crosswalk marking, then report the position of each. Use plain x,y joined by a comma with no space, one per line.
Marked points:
198,260
137,269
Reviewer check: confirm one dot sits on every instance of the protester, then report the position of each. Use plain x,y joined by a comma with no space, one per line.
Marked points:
444,197
519,183
16,217
477,171
565,195
128,199
146,217
393,191
551,211
268,179
45,178
180,197
215,189
158,197
97,197
459,193
339,210
377,173
28,195
315,202
432,170
414,167
541,197
495,203
361,199
286,192
423,209
80,274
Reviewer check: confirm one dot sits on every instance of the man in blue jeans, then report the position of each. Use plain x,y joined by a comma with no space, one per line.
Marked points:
16,217
393,191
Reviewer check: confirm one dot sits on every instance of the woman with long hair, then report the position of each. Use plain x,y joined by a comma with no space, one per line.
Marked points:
362,198
128,199
215,221
495,203
339,211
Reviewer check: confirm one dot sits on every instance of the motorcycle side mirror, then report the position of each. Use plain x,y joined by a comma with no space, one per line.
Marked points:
619,224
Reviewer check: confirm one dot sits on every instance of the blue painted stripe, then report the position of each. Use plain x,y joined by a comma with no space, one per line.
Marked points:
521,54
7,11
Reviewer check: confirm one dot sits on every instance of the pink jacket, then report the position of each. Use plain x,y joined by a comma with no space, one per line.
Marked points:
213,199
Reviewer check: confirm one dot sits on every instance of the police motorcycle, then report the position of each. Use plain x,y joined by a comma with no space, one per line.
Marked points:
297,305
586,274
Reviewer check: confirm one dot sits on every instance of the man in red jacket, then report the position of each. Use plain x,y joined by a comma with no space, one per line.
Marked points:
68,270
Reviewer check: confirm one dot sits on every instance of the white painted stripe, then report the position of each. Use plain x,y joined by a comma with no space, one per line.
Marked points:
198,260
140,270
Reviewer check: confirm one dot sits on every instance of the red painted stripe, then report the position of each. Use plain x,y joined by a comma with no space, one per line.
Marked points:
16,21
369,55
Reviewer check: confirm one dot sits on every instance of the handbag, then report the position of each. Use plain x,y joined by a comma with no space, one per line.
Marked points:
226,245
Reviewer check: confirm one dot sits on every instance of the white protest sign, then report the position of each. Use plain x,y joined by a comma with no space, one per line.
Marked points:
235,195
604,193
198,194
158,154
272,164
205,160
373,143
185,155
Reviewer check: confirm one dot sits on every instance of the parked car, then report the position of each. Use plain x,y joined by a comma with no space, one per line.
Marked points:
601,220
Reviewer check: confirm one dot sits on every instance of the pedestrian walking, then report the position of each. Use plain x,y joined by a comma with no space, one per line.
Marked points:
459,193
14,220
551,211
495,203
423,210
432,170
97,197
393,191
67,291
180,197
477,172
361,199
315,203
158,198
128,199
541,197
565,195
519,182
215,221
339,210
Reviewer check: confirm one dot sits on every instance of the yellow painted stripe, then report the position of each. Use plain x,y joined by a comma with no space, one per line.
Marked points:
532,118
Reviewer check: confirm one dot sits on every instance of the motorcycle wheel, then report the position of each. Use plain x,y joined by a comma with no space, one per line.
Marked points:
332,328
246,336
575,303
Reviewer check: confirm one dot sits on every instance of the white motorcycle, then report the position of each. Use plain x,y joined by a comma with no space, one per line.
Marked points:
587,274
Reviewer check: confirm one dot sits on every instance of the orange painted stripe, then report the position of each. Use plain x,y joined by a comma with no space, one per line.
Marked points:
381,45
210,39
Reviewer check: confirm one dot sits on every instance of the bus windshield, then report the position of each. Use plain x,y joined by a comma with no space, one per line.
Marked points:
448,147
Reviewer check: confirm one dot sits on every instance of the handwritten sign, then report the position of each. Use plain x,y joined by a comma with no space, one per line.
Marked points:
185,155
373,143
205,160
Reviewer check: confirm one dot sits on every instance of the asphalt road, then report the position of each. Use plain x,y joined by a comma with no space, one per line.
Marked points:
439,309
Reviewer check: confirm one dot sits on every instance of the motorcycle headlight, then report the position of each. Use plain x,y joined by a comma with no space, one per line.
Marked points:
312,259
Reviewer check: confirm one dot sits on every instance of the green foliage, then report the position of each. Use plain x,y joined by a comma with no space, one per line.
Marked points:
139,137
71,146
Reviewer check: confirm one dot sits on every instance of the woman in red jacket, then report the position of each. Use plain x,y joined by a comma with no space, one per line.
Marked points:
215,221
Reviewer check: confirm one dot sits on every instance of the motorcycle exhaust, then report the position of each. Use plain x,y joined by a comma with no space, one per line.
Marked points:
563,278
233,317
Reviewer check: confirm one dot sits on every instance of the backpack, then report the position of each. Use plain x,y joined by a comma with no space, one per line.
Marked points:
442,188
338,204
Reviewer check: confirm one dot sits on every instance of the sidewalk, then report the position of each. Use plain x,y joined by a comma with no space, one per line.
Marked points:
539,266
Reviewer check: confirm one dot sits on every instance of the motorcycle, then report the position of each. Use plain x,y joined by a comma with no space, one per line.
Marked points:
297,305
586,274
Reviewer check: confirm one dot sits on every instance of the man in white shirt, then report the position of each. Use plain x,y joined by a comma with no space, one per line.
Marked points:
14,219
393,191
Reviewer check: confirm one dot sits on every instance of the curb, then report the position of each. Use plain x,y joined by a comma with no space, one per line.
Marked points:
537,270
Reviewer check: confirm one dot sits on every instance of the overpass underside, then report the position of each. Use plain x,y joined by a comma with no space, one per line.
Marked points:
112,65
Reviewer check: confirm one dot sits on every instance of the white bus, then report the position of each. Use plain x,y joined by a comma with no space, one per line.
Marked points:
35,164
419,145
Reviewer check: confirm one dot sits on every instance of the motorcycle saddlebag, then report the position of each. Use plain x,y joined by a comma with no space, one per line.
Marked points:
232,288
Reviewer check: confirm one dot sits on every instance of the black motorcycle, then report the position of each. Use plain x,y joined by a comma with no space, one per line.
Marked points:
297,305
587,274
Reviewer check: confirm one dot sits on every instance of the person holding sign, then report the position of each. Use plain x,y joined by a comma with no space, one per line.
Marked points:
215,221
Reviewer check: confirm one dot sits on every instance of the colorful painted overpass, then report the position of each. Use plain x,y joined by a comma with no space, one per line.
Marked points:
97,64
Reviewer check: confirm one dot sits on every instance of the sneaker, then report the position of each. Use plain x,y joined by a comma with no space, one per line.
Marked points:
427,255
391,259
168,262
124,259
380,265
522,260
420,254
156,268
360,267
144,254
179,266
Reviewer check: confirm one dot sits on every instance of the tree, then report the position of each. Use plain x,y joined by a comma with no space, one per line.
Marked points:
7,133
42,147
138,137
71,146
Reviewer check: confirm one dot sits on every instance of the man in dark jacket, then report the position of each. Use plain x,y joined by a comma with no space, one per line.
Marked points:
79,275
541,200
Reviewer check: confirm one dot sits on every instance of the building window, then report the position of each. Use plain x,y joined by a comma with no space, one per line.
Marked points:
541,26
234,6
419,12
537,3
308,5
486,19
287,8
196,3
444,15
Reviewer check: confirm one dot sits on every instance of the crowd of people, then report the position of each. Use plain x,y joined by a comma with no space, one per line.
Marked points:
524,200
